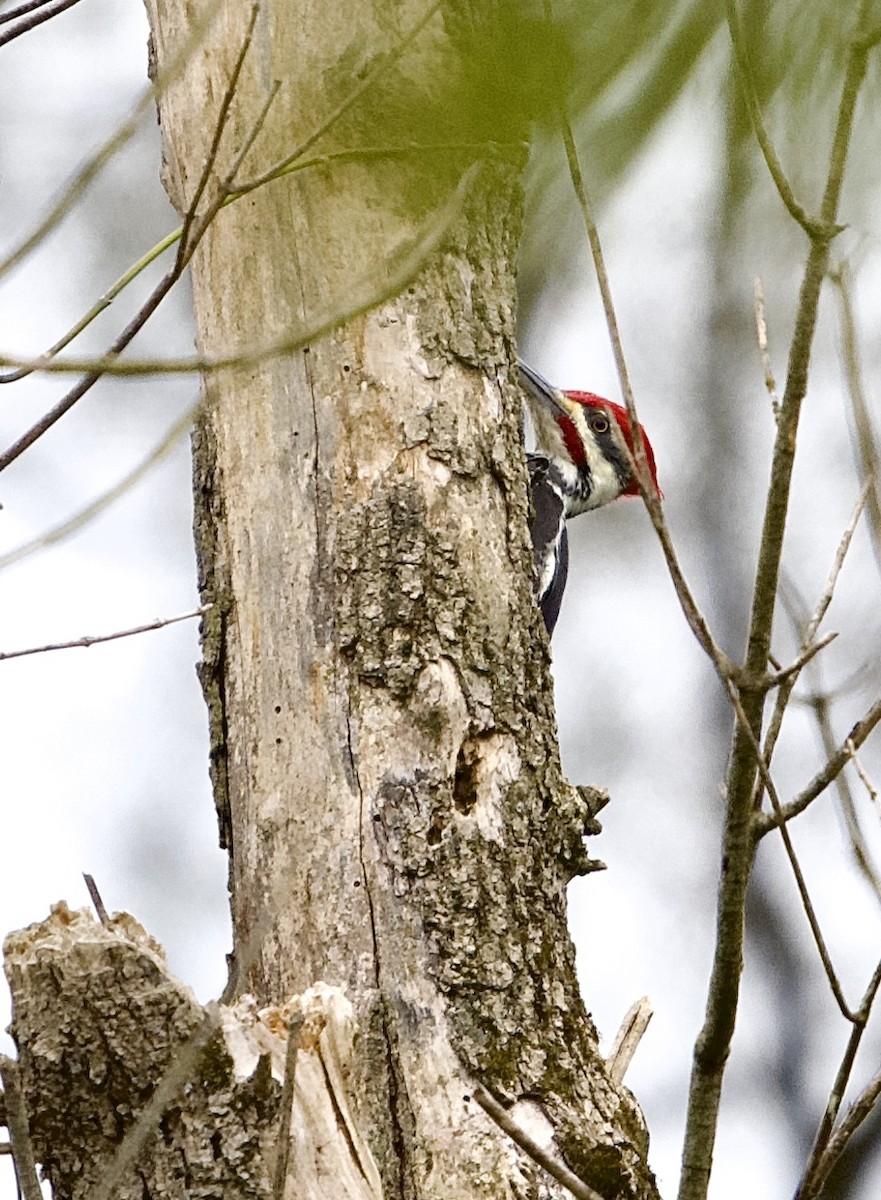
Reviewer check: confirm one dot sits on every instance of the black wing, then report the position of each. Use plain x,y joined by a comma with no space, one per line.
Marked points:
550,544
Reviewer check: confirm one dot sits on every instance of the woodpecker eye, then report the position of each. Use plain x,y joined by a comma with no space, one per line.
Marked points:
599,423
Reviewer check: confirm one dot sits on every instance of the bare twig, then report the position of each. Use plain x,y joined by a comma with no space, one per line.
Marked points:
399,268
764,822
837,564
19,1133
123,134
76,393
395,277
713,1045
92,510
95,895
45,12
856,1114
785,674
693,615
762,335
399,271
554,1168
382,67
29,366
789,677
197,231
836,1095
858,845
282,1162
746,730
866,443
97,639
184,252
627,1039
819,702
811,226
22,10
861,771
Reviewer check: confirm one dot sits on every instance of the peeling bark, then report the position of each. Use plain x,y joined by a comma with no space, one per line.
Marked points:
383,739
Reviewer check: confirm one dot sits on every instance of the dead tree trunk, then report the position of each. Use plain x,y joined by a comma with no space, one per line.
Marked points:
383,741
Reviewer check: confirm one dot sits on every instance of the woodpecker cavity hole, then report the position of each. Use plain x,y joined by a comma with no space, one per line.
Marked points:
465,778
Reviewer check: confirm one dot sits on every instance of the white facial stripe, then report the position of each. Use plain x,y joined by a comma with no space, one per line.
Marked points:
606,486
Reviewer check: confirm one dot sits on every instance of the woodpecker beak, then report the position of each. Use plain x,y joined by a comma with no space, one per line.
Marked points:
539,388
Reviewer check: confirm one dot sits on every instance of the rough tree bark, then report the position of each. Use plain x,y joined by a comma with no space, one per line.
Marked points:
383,740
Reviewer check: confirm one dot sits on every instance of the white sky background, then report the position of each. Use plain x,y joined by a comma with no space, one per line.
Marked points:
104,751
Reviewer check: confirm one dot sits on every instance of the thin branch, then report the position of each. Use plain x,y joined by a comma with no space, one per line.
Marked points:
97,639
22,10
836,1096
789,677
627,1039
765,822
95,896
126,131
713,1045
36,18
396,276
838,1143
197,231
376,73
861,772
762,337
812,227
807,904
92,510
100,305
837,565
858,845
866,443
19,1133
554,1168
693,615
95,373
184,253
819,702
104,301
282,1162
785,674
398,270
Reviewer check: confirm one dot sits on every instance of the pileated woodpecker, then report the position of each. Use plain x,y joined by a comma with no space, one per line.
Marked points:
580,463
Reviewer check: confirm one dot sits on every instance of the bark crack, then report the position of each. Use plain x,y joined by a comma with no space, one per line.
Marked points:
396,1082
365,881
342,1123
315,458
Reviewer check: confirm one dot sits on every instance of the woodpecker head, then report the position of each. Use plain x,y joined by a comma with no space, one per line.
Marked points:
587,438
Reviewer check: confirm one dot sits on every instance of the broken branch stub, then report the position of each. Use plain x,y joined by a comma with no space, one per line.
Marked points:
104,1031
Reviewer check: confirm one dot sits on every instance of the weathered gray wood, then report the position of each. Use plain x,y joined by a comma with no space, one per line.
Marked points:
384,746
